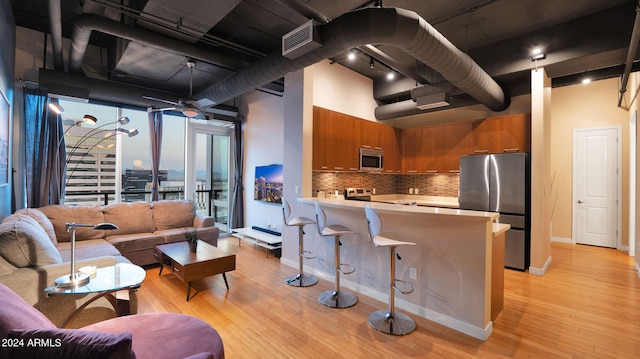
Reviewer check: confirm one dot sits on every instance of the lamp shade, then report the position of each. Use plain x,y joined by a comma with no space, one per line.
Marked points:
90,119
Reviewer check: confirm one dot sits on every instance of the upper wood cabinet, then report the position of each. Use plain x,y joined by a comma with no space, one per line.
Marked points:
501,134
337,139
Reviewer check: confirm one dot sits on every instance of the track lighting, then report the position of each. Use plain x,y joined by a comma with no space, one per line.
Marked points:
391,75
371,64
352,55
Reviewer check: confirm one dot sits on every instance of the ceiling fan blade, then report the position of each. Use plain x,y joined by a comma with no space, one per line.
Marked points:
160,100
166,109
204,102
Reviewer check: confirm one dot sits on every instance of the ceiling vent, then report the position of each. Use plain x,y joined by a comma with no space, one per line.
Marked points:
440,99
300,41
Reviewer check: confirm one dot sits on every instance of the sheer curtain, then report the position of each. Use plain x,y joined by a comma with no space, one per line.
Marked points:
155,129
44,151
237,207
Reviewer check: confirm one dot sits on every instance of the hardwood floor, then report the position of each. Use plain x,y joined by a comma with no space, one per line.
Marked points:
587,305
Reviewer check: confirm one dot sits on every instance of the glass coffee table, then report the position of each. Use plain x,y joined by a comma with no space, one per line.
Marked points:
189,266
104,284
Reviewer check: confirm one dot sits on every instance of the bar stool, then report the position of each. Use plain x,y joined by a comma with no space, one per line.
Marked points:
388,321
335,298
300,279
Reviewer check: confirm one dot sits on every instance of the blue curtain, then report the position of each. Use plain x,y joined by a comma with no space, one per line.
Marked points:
237,207
155,127
44,151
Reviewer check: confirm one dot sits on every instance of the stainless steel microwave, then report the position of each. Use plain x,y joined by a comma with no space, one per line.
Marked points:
371,160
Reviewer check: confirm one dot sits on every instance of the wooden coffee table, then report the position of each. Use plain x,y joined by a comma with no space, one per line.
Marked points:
189,266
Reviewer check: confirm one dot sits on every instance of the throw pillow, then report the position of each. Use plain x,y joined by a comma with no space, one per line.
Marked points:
16,313
42,220
60,215
25,244
67,343
169,214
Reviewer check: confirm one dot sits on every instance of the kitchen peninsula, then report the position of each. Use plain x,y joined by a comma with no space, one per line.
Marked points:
456,279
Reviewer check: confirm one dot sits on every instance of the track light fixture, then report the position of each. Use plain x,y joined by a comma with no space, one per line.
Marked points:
371,63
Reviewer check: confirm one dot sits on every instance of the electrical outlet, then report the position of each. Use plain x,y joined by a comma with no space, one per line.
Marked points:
410,190
297,189
373,190
415,191
413,273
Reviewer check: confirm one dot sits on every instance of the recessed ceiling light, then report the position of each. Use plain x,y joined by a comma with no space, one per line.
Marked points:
391,75
586,80
351,56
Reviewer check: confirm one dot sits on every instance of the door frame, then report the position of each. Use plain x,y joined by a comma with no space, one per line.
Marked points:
192,128
618,129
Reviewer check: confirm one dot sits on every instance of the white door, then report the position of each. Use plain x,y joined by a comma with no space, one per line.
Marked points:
596,182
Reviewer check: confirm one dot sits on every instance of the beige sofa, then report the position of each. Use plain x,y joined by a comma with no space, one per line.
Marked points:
35,248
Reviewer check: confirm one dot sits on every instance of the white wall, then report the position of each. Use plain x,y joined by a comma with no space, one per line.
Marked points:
339,89
263,145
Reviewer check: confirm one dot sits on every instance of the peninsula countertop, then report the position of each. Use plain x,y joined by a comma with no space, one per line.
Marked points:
392,207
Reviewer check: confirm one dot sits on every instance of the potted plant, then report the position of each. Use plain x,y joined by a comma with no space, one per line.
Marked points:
191,236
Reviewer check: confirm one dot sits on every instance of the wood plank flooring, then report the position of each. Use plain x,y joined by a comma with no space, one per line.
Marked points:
587,305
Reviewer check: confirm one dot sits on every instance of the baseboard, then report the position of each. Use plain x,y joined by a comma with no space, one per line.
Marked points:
466,328
540,271
561,239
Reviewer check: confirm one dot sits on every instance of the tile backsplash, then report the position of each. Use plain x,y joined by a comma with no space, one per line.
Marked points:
427,184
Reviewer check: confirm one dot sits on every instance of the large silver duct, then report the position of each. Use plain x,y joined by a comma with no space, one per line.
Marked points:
86,23
55,23
392,26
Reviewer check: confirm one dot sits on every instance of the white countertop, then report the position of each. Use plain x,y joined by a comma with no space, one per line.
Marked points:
341,203
430,201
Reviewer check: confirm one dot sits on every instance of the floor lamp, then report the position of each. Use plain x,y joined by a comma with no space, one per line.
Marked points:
75,279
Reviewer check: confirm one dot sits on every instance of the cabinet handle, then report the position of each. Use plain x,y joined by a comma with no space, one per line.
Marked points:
454,171
378,148
176,270
338,168
511,150
324,167
354,169
481,151
366,146
432,171
412,171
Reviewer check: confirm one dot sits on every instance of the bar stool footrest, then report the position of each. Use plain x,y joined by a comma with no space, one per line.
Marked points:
352,268
409,291
308,255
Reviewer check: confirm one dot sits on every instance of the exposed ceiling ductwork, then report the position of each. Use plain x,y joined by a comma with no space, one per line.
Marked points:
399,27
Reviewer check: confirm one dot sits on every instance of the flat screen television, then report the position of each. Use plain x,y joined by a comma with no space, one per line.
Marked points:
268,184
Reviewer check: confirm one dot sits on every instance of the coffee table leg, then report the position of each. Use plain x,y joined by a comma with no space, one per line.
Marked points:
188,291
224,275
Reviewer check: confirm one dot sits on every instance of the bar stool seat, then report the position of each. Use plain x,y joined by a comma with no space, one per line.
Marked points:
388,321
335,298
300,279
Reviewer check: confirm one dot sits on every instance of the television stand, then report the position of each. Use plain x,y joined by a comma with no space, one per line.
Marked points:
261,239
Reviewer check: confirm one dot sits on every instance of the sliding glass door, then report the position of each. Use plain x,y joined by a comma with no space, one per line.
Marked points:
209,169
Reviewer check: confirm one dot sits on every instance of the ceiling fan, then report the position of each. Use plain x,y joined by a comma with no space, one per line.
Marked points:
189,106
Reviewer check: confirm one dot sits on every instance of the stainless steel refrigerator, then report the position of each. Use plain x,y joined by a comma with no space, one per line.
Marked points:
501,183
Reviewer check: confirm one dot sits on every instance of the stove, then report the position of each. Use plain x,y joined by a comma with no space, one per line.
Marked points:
357,194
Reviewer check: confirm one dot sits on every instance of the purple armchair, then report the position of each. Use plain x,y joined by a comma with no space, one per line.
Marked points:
27,333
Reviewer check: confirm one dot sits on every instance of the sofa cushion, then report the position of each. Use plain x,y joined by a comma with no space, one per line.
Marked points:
173,214
42,220
70,343
135,242
24,243
154,335
15,313
131,217
87,249
60,215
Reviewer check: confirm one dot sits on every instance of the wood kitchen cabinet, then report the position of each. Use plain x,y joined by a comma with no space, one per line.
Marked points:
392,161
501,134
371,135
412,154
432,150
335,141
457,142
